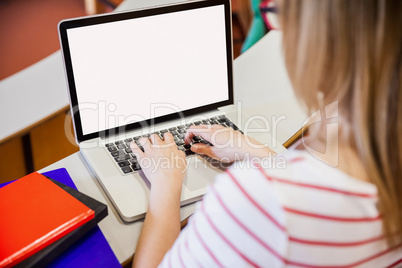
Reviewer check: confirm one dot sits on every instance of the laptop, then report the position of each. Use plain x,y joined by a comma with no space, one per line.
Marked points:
146,71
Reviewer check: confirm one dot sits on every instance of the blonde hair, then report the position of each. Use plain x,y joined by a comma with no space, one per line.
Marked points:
350,51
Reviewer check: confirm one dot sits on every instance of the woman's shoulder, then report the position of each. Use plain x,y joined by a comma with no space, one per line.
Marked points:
299,211
302,171
310,176
298,202
300,190
298,179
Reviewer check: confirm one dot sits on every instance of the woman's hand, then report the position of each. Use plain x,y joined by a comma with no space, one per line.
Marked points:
164,166
228,145
161,161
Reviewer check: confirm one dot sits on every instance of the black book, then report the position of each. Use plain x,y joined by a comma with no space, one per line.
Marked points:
51,252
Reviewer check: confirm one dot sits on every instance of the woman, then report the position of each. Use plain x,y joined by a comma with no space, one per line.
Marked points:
339,209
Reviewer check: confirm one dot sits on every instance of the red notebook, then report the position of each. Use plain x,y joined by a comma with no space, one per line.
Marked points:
35,212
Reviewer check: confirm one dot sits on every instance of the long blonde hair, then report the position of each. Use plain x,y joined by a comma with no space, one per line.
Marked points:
351,51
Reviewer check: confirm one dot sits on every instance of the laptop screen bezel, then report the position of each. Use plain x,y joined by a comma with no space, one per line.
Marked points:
113,17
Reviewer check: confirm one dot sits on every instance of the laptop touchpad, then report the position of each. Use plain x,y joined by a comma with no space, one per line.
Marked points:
199,173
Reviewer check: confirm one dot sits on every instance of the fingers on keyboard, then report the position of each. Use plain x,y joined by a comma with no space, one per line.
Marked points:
123,155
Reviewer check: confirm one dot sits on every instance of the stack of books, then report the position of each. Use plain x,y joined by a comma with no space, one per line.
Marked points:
41,218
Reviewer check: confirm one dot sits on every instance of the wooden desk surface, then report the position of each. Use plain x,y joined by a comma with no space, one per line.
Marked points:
31,96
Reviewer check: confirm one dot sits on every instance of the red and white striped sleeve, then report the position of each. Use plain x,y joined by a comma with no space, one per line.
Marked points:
239,223
306,214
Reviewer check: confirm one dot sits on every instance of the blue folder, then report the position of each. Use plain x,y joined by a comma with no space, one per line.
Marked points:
91,250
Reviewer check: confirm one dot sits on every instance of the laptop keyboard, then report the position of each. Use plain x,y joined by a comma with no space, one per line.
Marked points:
122,154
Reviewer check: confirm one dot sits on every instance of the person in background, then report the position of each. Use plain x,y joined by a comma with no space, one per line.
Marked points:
341,208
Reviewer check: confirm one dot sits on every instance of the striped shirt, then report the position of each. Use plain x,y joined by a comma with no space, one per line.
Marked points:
303,214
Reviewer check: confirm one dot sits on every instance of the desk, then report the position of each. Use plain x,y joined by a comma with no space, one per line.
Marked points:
261,88
39,90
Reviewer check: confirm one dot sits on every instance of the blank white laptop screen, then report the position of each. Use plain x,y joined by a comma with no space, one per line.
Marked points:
136,69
